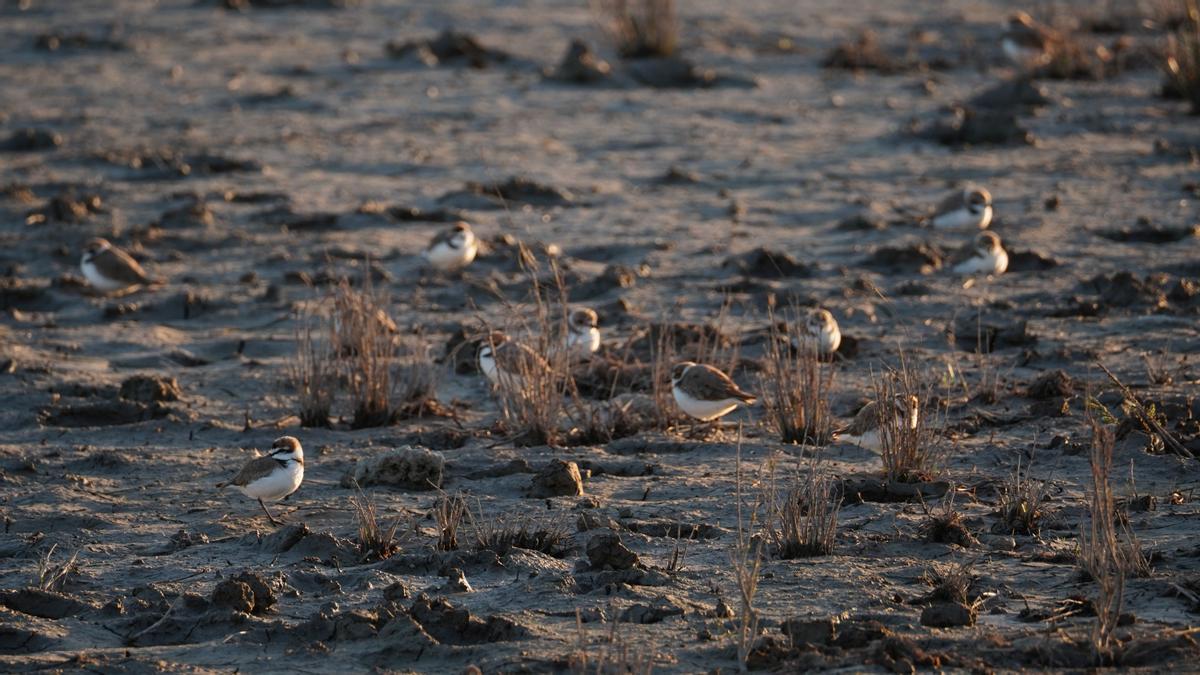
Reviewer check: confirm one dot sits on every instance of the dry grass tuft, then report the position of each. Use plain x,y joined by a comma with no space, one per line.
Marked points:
910,449
1181,61
534,386
1101,553
747,559
375,540
1020,506
502,534
795,386
363,338
51,575
614,658
449,512
803,523
313,373
945,524
950,582
640,28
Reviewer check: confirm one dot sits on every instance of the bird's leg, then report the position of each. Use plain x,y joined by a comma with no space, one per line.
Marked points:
268,512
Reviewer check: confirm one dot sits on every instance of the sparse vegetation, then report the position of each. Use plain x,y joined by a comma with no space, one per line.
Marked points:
1181,61
52,575
950,582
945,524
795,386
802,522
364,340
501,535
746,557
313,372
909,447
448,513
1020,506
376,541
534,367
613,658
1101,554
640,28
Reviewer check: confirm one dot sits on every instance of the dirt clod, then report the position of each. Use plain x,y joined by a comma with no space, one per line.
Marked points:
150,388
558,478
606,552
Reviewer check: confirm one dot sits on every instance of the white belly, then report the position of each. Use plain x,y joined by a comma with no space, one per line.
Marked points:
704,411
487,365
277,484
995,263
963,219
826,343
867,441
445,257
97,280
1022,56
584,344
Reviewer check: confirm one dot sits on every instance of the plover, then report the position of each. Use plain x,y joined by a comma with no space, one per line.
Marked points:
583,333
273,476
705,393
863,430
985,255
504,361
966,209
820,333
452,249
109,269
1028,43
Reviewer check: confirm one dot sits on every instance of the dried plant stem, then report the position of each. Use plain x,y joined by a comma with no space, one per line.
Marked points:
313,373
1100,552
746,558
796,385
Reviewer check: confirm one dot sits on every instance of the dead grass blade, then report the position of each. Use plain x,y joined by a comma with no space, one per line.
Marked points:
639,28
796,385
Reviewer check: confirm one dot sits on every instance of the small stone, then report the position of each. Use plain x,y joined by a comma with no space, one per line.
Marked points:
150,388
558,478
811,631
234,595
606,551
947,615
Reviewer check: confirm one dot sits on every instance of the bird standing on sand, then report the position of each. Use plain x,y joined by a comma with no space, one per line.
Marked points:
109,269
273,476
452,249
705,393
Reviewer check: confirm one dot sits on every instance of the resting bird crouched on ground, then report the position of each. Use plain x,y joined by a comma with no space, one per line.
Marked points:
109,269
705,393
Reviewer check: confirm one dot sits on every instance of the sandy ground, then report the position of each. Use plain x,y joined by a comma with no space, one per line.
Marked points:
233,151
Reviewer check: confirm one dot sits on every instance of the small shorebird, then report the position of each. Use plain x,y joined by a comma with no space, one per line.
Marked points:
863,430
109,269
503,360
452,249
966,209
985,255
583,333
705,393
821,333
273,476
1028,43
